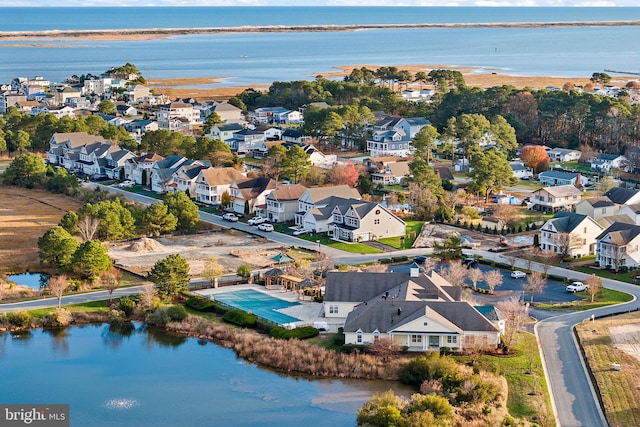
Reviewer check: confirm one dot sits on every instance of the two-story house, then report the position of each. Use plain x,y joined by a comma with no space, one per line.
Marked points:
393,173
162,172
318,197
212,183
389,143
359,221
570,234
115,162
618,245
175,115
282,203
553,199
224,132
140,169
247,141
623,196
62,142
564,154
597,207
520,171
184,178
605,162
248,194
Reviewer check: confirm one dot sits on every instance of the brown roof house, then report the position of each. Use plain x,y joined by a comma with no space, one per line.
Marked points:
282,203
247,194
212,183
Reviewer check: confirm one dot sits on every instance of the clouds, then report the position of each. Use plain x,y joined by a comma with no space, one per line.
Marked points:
157,3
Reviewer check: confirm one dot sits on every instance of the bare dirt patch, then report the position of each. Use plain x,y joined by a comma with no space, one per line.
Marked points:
25,215
627,338
232,250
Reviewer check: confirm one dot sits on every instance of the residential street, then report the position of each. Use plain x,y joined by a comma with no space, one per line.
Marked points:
575,403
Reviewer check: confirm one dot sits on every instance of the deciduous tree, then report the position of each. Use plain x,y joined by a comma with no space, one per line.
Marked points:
535,283
594,286
454,272
493,279
535,157
475,275
56,286
110,278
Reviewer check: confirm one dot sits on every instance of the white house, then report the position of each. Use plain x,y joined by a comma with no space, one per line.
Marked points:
172,116
623,196
248,194
184,178
618,245
115,162
359,221
570,234
605,162
520,171
224,132
139,169
60,143
564,154
318,197
212,183
553,199
393,173
389,143
597,207
163,170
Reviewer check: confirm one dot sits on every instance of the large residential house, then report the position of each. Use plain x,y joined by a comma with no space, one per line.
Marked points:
224,132
554,177
248,194
177,115
247,141
618,245
358,221
553,199
115,161
184,178
137,93
162,172
418,311
632,211
139,169
139,127
564,154
389,143
605,162
278,115
318,197
570,234
393,173
62,96
520,171
623,196
212,183
282,203
61,143
597,207
227,112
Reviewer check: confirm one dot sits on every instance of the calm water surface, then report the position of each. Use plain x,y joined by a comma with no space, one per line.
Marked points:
133,376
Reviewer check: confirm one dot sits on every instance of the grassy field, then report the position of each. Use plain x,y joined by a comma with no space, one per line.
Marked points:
606,297
25,215
357,248
413,230
618,389
628,277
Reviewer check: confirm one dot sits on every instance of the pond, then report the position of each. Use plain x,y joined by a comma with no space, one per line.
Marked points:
132,375
32,280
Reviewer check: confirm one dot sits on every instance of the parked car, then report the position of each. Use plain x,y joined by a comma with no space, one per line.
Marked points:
420,259
577,287
256,220
470,262
126,184
230,217
265,227
301,232
98,177
518,274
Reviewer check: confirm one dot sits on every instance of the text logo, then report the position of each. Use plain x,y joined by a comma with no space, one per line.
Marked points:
34,415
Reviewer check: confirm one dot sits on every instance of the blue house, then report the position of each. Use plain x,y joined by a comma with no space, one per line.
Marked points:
552,178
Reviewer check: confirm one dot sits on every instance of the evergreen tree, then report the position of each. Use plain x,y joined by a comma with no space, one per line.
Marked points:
170,275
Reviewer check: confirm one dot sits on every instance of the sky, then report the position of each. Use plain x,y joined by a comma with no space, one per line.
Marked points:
130,3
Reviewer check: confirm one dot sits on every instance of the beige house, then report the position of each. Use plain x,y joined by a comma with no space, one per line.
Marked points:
363,221
418,311
392,174
597,207
282,203
248,194
553,199
570,234
212,183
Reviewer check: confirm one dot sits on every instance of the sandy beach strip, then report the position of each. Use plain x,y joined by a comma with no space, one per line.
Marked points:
155,33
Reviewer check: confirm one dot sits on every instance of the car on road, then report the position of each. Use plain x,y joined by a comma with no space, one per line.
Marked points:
126,184
230,217
420,259
577,287
257,220
518,274
265,227
301,231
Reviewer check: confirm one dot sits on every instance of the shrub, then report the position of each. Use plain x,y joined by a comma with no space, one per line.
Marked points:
20,319
159,317
60,317
430,367
240,318
301,333
342,267
264,325
244,271
385,261
177,313
402,258
200,303
127,305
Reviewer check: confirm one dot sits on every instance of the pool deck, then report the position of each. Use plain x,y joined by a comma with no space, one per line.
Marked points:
307,311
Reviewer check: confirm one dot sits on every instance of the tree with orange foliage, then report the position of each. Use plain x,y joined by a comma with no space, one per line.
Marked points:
535,157
343,174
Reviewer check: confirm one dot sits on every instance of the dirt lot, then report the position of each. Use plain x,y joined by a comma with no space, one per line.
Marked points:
615,340
231,248
25,215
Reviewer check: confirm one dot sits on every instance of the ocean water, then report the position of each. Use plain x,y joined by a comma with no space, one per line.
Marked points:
261,58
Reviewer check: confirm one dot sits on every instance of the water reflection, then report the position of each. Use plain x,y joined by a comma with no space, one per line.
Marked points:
60,342
162,338
3,344
114,334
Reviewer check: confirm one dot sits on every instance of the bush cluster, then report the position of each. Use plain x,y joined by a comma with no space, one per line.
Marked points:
200,303
301,333
240,318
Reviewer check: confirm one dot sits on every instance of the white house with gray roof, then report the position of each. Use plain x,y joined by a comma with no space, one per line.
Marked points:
564,154
418,311
163,170
570,234
619,246
553,199
318,197
597,207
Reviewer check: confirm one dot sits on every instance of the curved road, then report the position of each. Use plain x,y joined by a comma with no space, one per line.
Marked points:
574,400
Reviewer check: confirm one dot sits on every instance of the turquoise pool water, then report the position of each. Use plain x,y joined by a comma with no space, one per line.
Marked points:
258,303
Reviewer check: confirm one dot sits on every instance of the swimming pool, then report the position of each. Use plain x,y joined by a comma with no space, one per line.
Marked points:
258,303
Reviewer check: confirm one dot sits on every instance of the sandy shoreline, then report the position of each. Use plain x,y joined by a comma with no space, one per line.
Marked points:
155,33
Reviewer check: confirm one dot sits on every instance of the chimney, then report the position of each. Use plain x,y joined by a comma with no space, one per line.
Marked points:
578,184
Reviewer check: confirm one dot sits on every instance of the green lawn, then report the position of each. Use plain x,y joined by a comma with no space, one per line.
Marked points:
413,230
357,248
529,184
606,297
628,277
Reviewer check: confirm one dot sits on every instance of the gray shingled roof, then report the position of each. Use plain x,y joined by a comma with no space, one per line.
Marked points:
566,222
360,286
622,232
619,195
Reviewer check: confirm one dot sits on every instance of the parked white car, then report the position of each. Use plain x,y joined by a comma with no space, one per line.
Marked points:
265,227
126,184
518,274
230,217
301,232
257,220
577,287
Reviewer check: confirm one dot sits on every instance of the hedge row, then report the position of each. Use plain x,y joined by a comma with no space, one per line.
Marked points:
300,333
240,318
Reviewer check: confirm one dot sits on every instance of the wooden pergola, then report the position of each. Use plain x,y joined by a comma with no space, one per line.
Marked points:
271,278
310,288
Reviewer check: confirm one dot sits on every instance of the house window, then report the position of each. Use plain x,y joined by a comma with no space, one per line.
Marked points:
359,338
416,339
376,221
333,309
452,340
